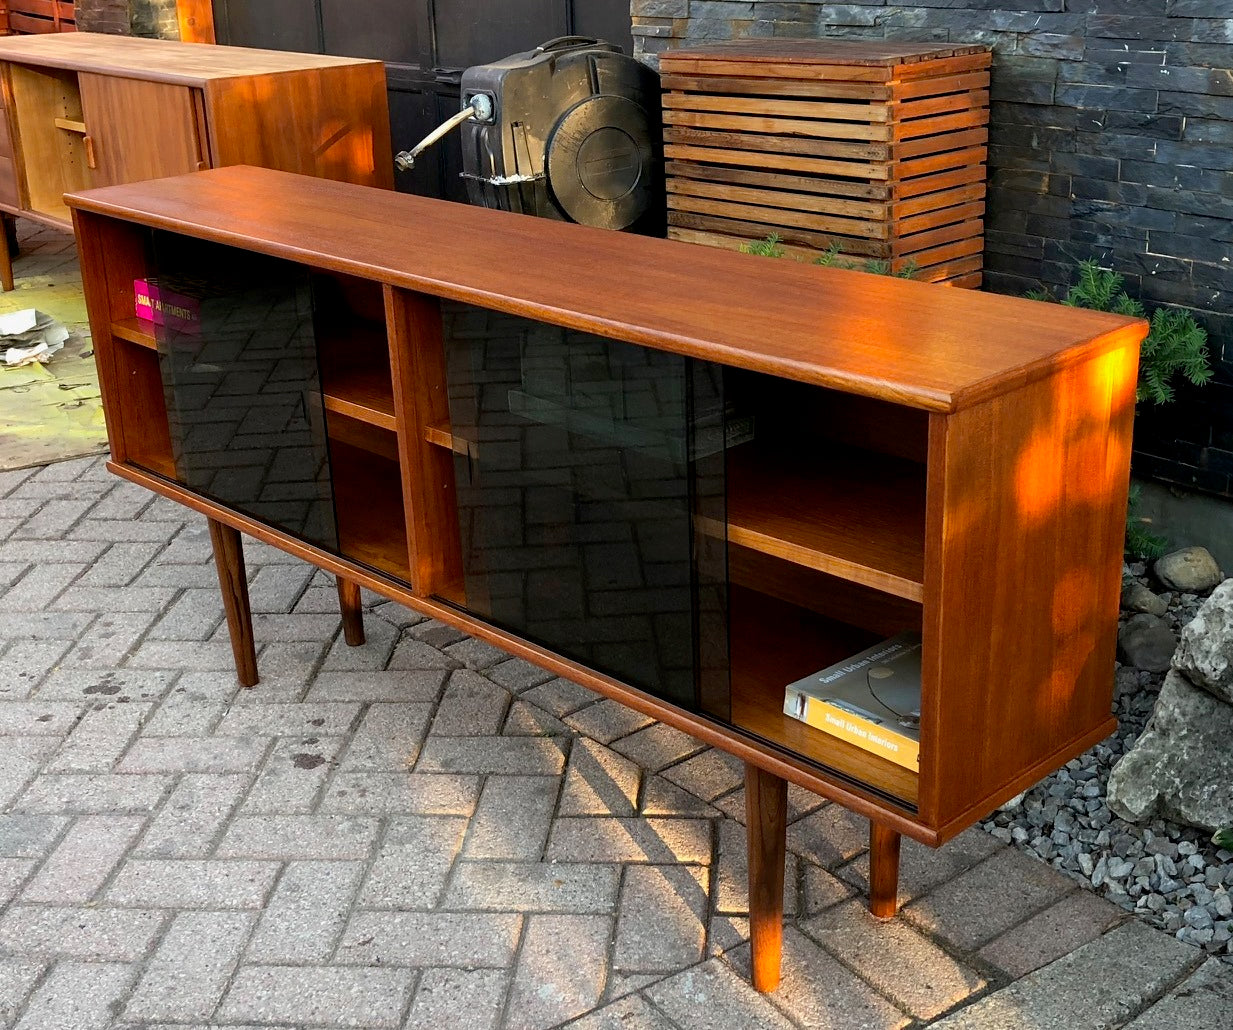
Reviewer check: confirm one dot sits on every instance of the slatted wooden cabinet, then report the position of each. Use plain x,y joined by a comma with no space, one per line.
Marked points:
82,110
875,150
684,499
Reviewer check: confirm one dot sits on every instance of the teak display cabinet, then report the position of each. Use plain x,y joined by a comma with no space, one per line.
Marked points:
683,497
80,110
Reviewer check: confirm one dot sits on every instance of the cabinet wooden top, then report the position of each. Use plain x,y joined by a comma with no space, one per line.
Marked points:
187,64
931,347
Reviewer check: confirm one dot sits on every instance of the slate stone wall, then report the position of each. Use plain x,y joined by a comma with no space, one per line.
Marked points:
1111,137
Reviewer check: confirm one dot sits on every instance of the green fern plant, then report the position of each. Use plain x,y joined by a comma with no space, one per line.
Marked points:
772,246
1224,838
1176,345
1141,542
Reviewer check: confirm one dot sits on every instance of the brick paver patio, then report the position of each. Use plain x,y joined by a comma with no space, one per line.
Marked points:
424,832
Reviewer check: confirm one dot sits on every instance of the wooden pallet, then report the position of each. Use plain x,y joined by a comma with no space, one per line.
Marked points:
877,149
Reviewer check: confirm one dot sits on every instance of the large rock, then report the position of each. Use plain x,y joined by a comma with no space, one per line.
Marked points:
1146,642
1192,570
1205,653
1137,598
1181,768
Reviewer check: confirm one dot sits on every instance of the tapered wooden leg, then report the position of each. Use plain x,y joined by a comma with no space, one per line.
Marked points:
883,871
352,613
6,254
229,560
766,816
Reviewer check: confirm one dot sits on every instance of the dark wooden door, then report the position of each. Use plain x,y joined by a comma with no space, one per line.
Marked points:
426,45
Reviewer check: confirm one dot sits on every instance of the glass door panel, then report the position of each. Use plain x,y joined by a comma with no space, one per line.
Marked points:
238,353
582,465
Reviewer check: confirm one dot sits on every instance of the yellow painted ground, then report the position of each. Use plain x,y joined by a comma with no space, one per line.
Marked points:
50,412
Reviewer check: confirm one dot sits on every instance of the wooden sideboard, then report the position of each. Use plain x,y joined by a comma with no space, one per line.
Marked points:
81,110
681,476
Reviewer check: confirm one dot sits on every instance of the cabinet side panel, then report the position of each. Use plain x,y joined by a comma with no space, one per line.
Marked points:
1026,525
333,123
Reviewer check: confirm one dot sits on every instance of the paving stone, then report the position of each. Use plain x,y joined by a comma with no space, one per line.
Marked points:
379,640
922,868
471,706
389,738
818,991
656,746
632,1013
295,720
168,654
607,720
660,797
189,971
276,588
821,889
630,840
40,587
53,518
476,654
17,979
415,655
12,872
78,996
405,793
732,872
38,718
1132,965
25,664
47,625
988,899
202,755
98,740
829,836
525,720
561,970
598,781
513,817
532,887
192,883
341,996
707,775
560,696
379,685
453,997
326,837
82,932
1057,931
413,862
512,756
180,715
114,599
1200,1002
899,962
191,819
29,836
194,615
517,674
661,925
93,792
77,684
420,939
712,997
83,860
23,758
293,776
306,914
801,802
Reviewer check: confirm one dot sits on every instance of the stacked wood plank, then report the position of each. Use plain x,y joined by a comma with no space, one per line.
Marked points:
28,16
875,149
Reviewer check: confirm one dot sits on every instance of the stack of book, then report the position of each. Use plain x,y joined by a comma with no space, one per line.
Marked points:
871,700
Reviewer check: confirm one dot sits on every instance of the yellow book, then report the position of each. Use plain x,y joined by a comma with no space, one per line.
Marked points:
871,700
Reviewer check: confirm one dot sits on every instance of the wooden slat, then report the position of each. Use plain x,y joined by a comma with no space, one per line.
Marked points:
780,198
786,162
947,66
926,258
966,158
904,246
798,126
902,91
873,230
777,144
961,176
790,234
940,199
940,104
793,87
809,53
944,142
940,126
818,184
676,65
728,104
932,219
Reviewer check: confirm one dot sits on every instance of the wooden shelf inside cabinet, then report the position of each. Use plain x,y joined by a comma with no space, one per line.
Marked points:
854,515
440,435
135,330
355,373
368,500
773,644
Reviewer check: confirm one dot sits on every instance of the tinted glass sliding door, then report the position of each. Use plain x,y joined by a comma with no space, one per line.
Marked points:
583,466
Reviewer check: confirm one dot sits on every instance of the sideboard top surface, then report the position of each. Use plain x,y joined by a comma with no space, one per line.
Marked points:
185,64
931,347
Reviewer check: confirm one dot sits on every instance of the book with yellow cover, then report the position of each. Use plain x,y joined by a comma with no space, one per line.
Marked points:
871,700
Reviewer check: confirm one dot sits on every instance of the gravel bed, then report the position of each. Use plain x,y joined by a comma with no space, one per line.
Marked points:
1171,876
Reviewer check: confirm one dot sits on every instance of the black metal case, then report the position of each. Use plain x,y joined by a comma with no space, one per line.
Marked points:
575,135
